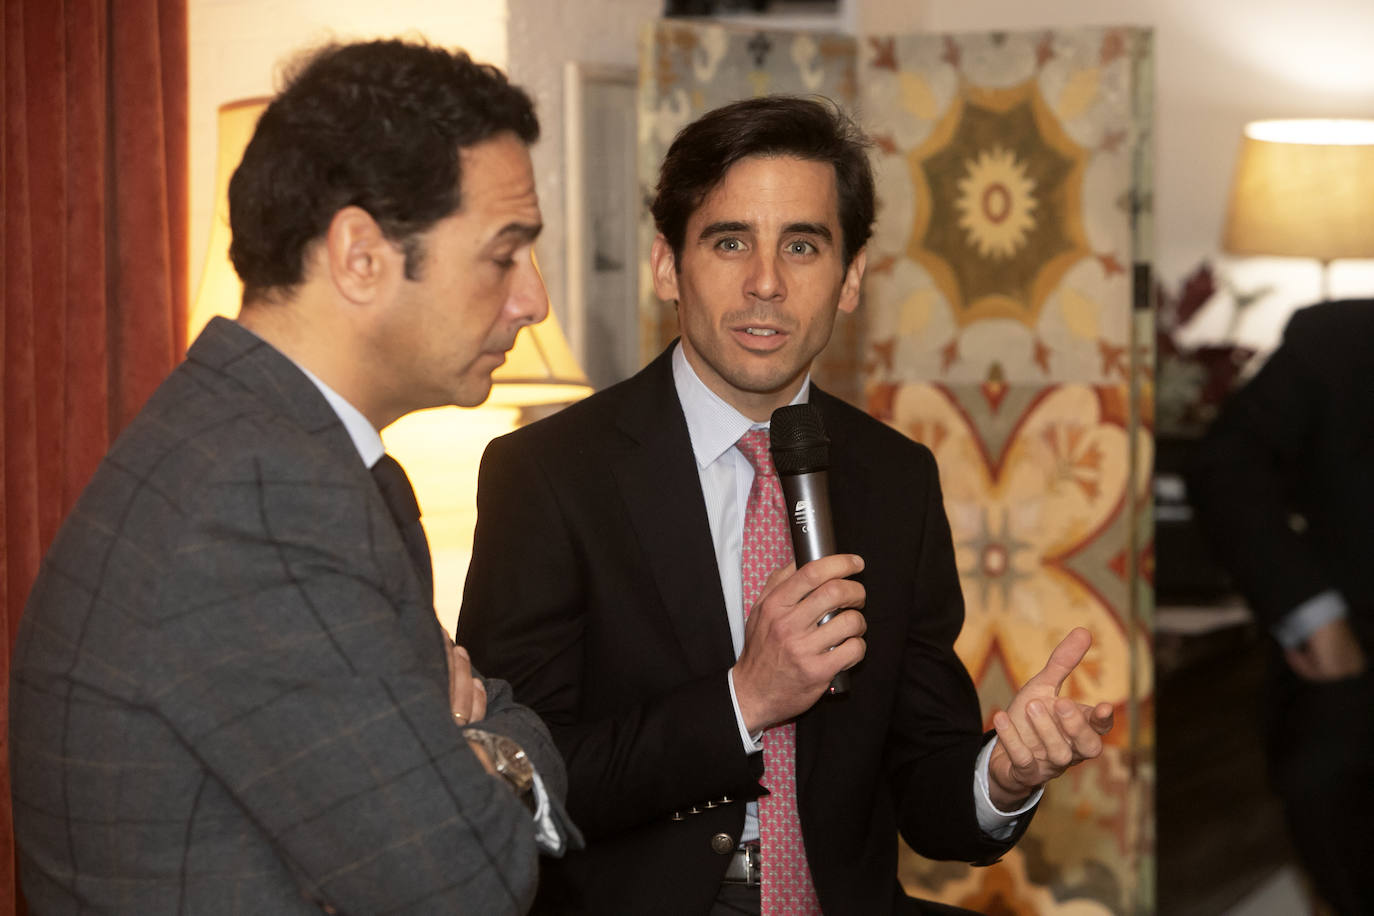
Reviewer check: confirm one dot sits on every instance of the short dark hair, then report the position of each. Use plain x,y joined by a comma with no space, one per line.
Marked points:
776,125
377,125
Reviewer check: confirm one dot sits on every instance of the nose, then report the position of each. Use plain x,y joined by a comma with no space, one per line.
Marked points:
765,280
529,300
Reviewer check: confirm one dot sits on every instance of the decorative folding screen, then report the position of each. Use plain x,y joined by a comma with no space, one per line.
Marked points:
998,328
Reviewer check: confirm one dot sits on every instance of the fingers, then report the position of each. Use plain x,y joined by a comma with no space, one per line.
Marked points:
467,694
459,673
845,625
800,601
789,657
1049,738
479,700
1038,748
1079,727
817,653
790,588
1302,666
1020,756
1102,718
795,637
1331,653
775,578
1063,659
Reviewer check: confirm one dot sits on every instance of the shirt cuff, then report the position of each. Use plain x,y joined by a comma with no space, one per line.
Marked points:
1298,625
995,823
546,832
753,744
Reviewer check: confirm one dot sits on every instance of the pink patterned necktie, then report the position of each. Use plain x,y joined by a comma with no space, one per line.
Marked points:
787,889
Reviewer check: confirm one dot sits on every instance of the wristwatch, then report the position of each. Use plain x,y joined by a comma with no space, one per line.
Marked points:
509,759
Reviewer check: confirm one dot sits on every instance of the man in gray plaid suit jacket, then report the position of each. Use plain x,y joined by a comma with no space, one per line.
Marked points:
230,693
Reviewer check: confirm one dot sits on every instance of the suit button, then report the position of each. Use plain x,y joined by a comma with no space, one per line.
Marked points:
723,844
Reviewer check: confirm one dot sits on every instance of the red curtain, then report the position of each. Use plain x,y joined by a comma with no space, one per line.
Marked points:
93,281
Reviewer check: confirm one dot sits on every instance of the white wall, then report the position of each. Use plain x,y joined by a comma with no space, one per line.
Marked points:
543,36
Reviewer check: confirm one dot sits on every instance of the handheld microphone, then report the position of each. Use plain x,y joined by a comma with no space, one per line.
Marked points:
801,456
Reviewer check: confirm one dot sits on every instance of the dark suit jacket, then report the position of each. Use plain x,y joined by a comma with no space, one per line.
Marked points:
229,694
1298,438
1298,441
593,589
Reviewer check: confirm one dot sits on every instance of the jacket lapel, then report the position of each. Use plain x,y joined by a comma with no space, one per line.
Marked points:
229,349
658,482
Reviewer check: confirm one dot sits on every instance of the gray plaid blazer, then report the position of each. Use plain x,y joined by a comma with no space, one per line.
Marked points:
228,692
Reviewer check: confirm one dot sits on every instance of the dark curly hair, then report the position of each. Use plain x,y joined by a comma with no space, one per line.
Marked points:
778,125
377,125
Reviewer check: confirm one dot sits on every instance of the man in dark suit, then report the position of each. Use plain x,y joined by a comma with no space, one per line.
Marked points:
230,694
1284,483
617,556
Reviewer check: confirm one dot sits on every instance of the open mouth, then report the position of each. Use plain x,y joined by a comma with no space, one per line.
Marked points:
759,338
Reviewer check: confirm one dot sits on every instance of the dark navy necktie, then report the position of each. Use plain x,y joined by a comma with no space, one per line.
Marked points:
400,499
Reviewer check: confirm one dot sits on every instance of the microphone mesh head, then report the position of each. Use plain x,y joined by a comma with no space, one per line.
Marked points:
797,439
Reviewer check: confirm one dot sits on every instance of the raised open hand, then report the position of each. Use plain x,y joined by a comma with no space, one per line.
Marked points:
1041,734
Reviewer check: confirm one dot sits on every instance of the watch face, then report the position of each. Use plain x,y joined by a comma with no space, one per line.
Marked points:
513,763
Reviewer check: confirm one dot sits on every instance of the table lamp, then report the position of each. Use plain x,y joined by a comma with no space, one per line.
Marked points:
1304,188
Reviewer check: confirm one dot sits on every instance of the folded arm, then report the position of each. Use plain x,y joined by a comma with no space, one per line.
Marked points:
320,703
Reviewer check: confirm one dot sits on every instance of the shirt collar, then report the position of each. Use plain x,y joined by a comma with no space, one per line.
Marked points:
365,437
713,425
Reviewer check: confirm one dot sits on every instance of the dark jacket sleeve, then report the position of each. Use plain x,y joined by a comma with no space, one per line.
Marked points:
1245,479
936,733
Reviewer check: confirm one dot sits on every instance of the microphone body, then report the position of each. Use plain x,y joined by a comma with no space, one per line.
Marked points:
801,456
808,514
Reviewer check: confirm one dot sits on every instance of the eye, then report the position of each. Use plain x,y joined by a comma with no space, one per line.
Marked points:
504,260
800,246
730,243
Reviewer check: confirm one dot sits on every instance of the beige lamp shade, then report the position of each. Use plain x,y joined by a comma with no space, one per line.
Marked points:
1304,188
539,370
220,292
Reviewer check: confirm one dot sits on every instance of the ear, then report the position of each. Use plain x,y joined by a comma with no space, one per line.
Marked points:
664,268
359,258
853,281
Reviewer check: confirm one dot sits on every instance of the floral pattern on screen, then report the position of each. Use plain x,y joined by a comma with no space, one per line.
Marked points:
1012,204
1012,239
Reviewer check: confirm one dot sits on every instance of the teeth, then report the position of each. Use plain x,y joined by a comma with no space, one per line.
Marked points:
760,332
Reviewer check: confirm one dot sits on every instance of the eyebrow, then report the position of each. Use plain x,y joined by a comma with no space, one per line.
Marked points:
820,230
526,232
722,227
